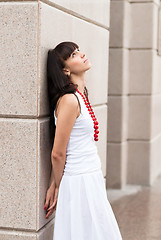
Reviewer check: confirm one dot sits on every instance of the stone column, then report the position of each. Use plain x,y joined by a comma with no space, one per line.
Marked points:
144,126
118,94
134,129
28,29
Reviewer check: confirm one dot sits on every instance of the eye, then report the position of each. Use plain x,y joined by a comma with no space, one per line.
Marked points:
73,54
76,50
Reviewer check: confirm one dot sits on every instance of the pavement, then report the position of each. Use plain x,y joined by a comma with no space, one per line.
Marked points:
138,211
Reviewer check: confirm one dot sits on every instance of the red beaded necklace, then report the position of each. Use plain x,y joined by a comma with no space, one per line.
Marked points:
91,112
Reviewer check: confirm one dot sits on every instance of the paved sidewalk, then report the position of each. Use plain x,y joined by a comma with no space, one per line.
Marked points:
138,214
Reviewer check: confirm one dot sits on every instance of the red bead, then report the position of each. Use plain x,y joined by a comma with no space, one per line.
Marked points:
95,135
91,112
96,131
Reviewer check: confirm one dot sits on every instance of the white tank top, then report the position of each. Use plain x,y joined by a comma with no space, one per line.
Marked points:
81,154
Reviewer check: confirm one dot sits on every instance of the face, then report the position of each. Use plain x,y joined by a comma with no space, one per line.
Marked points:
77,63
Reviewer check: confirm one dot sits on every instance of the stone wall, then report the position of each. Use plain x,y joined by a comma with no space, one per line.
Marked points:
134,116
28,30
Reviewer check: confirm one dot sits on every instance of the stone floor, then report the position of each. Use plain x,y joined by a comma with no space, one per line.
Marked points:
138,213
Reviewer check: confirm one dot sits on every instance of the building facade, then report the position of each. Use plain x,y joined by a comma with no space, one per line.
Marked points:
28,29
134,102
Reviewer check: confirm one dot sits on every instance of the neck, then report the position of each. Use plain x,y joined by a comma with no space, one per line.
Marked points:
79,80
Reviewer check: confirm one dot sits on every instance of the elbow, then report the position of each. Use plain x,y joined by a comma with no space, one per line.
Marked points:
57,156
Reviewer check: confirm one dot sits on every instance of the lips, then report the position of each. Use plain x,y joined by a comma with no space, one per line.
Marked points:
85,60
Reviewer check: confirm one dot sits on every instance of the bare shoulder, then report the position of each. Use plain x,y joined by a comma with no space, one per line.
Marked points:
69,103
69,99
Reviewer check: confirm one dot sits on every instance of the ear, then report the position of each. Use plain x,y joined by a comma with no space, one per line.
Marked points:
66,71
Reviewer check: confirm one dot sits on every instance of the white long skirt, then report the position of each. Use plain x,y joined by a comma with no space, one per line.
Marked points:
83,211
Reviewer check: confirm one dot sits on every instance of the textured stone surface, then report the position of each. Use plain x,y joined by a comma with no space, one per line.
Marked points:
101,114
46,233
156,84
18,87
80,30
95,10
141,71
144,67
14,235
18,140
120,23
139,117
118,71
156,115
144,23
140,1
139,215
144,117
138,164
156,157
116,165
117,118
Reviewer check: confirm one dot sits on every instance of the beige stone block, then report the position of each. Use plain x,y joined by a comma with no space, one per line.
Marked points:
144,23
146,1
18,30
117,118
46,233
16,235
138,163
139,117
96,10
80,31
156,83
120,12
144,72
116,165
18,173
156,115
118,71
155,170
141,71
101,115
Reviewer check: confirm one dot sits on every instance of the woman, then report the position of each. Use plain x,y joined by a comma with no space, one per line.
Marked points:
77,190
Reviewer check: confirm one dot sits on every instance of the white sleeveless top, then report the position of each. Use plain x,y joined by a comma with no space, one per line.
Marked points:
81,153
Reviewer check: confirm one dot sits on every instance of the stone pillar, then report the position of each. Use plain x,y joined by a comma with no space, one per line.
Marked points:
118,94
134,129
144,126
28,30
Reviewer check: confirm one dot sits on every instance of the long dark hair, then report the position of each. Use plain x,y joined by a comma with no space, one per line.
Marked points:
58,82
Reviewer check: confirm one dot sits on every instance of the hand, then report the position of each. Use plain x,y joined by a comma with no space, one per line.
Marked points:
51,199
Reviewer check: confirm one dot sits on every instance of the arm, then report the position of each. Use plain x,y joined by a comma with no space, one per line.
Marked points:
52,180
67,111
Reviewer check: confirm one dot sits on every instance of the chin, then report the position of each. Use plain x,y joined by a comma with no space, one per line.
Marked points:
89,66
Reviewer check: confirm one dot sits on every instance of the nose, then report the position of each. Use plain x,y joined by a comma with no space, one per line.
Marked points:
82,55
